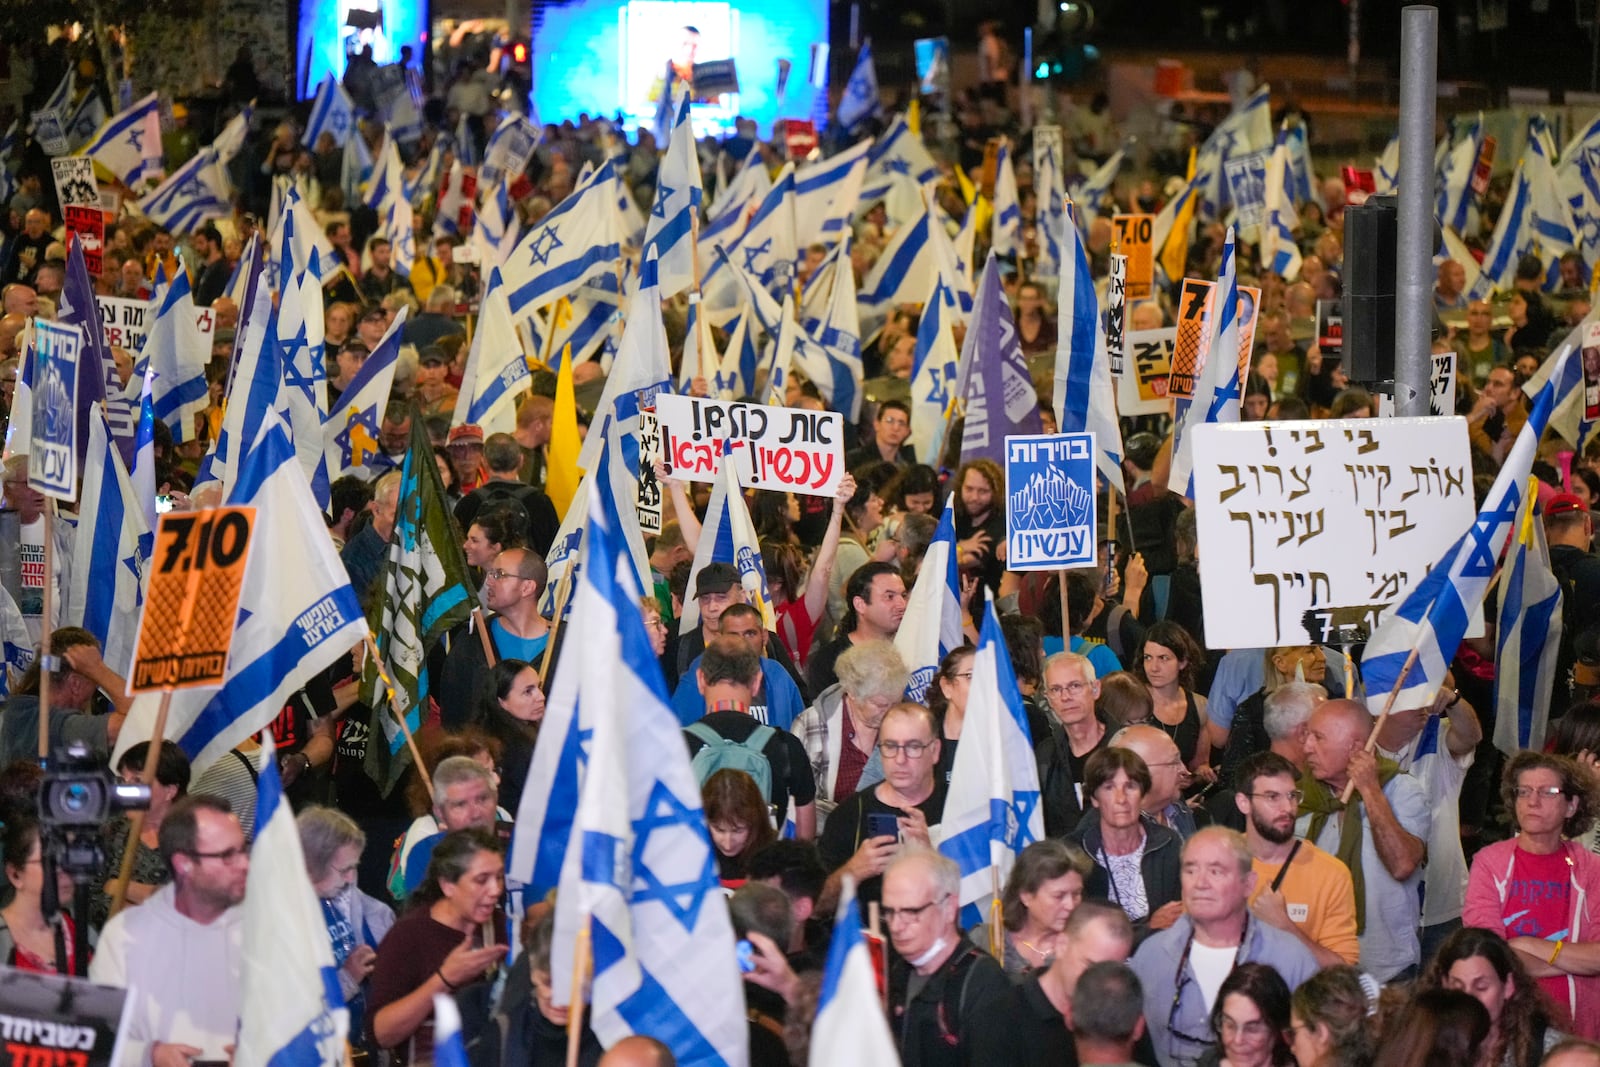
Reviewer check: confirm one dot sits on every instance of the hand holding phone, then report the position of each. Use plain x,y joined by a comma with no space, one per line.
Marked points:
882,824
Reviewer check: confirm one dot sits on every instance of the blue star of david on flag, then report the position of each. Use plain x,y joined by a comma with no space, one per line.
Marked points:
683,900
663,194
359,438
543,246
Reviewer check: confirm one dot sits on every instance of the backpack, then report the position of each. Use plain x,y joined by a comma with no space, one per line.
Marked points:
720,753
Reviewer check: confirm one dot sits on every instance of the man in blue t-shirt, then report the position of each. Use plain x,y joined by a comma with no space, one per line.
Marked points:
777,702
512,588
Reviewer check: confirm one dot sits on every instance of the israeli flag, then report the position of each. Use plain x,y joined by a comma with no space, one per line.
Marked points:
143,475
303,393
640,871
728,214
897,156
1084,396
932,628
350,433
670,229
1536,220
332,113
729,536
449,1049
497,229
741,359
1306,187
293,1012
193,194
1432,612
110,552
497,371
297,613
399,227
1092,192
1007,224
933,374
1386,168
860,99
830,371
641,368
594,316
825,195
129,146
1278,247
767,249
1216,393
700,359
308,238
233,136
175,355
850,1026
88,117
840,336
570,245
16,643
1528,638
904,273
464,145
992,811
1052,213
1455,178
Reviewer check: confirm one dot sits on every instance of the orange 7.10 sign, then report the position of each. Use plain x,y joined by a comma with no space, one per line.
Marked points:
196,575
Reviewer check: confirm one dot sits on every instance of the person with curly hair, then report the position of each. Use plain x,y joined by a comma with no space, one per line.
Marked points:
981,520
1540,889
1480,963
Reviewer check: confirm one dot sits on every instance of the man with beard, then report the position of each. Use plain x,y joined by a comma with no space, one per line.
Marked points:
1300,889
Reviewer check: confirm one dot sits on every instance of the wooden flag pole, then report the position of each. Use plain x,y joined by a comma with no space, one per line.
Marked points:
580,978
482,624
1383,717
1066,616
394,707
46,622
147,776
563,592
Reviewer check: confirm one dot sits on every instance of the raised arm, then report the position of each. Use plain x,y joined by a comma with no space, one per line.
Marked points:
816,594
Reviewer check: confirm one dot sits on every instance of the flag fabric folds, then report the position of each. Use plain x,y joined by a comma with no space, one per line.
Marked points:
993,382
129,145
424,593
992,811
332,113
1432,612
293,1013
1007,224
933,375
932,625
497,370
1278,248
639,870
1216,393
1528,638
176,353
1084,397
860,99
670,228
850,1026
578,239
729,536
350,433
1536,220
190,196
297,613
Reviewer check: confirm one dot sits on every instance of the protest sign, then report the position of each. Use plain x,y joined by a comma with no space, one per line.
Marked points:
51,132
1247,185
1116,311
1133,239
1442,398
714,78
127,322
55,1020
799,137
1050,504
1308,530
648,501
1142,388
1483,168
53,450
89,223
1189,351
1591,371
509,151
1048,138
75,181
190,609
782,449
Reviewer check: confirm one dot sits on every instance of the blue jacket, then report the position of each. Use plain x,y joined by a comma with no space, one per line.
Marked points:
778,704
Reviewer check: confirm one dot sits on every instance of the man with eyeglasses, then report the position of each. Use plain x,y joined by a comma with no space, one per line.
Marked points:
1182,968
775,701
941,985
511,590
1541,889
1163,801
180,953
867,830
1300,889
1074,734
891,428
1384,848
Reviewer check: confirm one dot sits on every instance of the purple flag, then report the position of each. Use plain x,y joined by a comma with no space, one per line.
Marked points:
993,375
97,372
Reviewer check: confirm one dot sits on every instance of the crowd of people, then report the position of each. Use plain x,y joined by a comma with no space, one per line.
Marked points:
1230,872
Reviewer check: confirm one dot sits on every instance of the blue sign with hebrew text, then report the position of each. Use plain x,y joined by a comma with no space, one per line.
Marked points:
1050,503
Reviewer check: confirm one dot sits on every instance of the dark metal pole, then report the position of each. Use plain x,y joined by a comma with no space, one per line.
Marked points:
1414,273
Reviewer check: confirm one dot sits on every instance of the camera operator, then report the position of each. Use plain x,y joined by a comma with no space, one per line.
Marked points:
72,697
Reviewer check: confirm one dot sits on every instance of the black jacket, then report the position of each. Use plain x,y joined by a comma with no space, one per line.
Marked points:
936,1028
1159,866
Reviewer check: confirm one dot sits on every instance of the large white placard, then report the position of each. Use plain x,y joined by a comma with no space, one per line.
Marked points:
1308,530
784,449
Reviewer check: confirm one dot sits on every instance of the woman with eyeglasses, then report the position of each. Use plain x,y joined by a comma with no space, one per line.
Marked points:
1251,1019
332,844
1168,665
448,941
1480,963
1045,888
1136,862
1542,889
1329,1020
947,699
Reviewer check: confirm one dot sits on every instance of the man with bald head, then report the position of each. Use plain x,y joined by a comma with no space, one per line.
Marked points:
27,251
638,1051
1380,835
19,299
11,327
1163,801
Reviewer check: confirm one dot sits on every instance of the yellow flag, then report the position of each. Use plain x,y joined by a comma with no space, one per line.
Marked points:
1175,253
561,480
914,117
969,192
